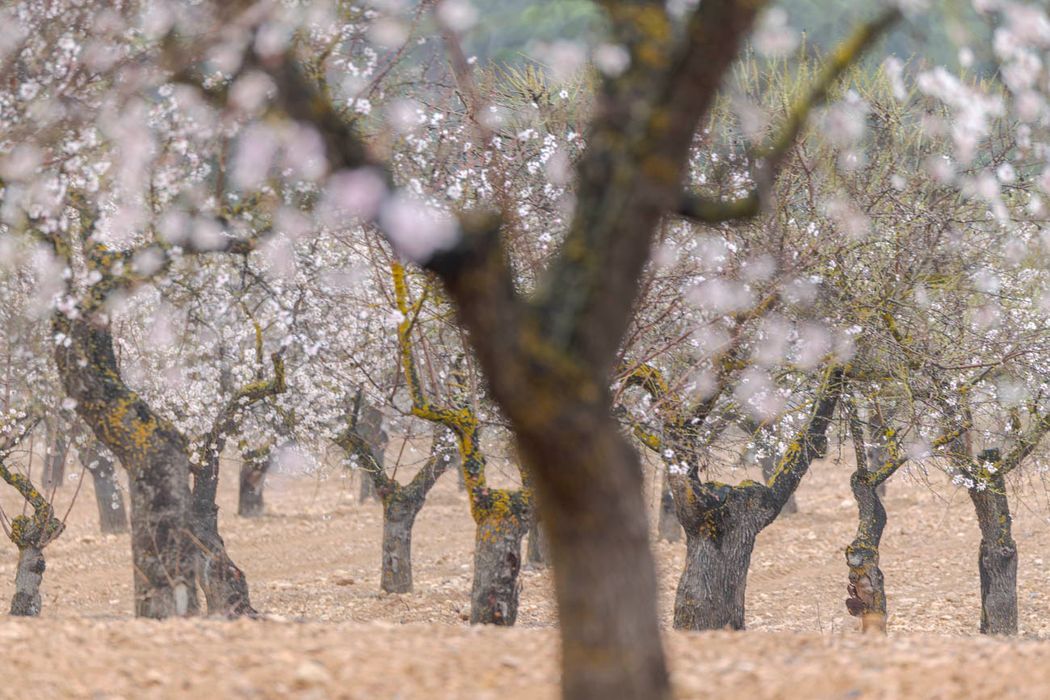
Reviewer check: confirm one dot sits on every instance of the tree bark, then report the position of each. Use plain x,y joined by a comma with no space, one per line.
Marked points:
28,577
112,518
867,587
255,465
399,516
156,457
590,501
57,451
710,593
997,561
497,563
224,584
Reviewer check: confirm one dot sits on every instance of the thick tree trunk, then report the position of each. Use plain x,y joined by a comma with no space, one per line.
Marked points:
162,553
155,455
998,558
28,576
250,502
866,584
112,517
710,593
589,482
224,584
667,526
537,553
497,563
398,518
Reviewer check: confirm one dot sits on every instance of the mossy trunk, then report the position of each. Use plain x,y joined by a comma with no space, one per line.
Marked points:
224,585
667,526
399,516
250,502
497,563
28,577
155,456
710,593
997,561
867,590
112,517
536,553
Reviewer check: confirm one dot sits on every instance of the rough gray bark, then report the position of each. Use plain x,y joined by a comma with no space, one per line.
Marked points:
497,563
224,585
254,466
112,517
721,523
396,576
155,456
401,503
710,592
997,561
28,577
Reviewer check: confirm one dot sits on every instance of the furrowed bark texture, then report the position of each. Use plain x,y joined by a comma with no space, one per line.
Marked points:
722,521
156,458
997,561
28,577
497,563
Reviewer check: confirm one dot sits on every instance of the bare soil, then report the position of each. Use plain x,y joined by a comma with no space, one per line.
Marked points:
313,560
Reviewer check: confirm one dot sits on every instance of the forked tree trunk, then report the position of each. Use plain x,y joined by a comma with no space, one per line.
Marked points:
112,518
667,526
997,561
719,543
399,515
224,584
156,457
163,554
536,553
28,576
250,503
497,563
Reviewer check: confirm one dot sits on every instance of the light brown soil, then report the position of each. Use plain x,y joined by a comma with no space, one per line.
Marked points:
313,566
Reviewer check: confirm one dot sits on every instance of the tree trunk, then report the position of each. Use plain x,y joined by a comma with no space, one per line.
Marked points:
537,554
497,563
252,480
161,551
767,460
998,558
866,584
224,584
112,518
153,452
399,516
28,576
710,593
668,528
55,464
589,483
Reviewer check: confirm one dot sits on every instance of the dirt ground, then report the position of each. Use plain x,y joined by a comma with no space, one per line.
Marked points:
312,562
